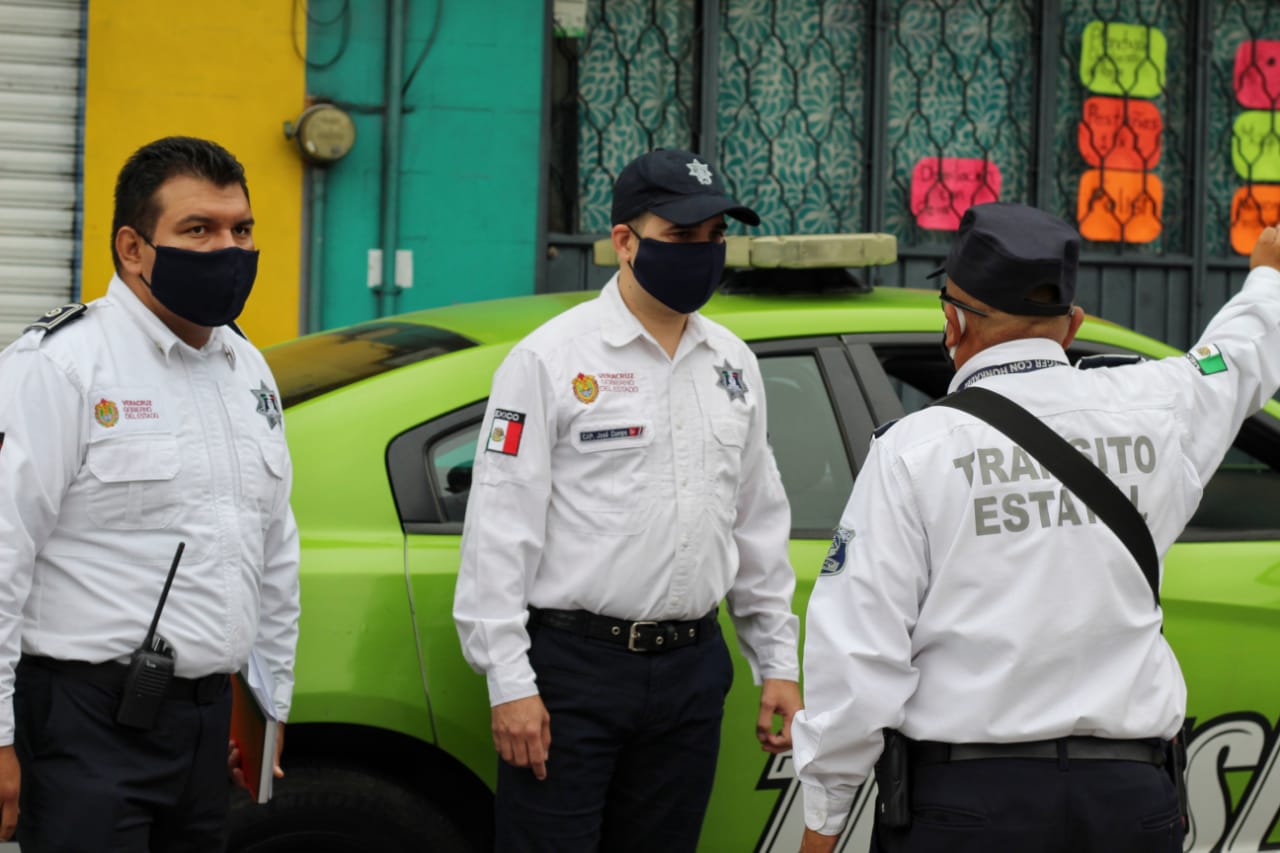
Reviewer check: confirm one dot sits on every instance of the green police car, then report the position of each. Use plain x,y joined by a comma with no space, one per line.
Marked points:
388,744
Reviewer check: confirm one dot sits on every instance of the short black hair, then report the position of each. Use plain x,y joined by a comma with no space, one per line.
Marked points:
156,162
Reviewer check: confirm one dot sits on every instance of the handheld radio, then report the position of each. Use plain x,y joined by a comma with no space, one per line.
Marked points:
150,669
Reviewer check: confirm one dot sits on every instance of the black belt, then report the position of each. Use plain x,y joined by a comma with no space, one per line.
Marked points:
638,636
1079,748
110,676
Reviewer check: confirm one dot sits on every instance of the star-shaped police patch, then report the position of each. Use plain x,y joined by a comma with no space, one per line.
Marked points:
700,170
268,404
731,381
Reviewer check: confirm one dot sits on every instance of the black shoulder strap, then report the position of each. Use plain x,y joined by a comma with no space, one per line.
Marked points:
55,318
1084,479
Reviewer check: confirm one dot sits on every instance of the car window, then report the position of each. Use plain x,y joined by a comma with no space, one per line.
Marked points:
806,441
1239,501
450,460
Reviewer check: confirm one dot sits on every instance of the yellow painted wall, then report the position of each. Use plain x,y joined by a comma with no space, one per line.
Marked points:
226,71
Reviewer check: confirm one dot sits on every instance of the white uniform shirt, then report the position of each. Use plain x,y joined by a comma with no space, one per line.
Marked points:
613,479
977,602
120,441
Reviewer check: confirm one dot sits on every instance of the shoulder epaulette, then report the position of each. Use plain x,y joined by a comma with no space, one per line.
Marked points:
1108,360
884,427
56,318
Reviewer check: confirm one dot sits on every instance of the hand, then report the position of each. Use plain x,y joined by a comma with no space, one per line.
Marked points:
233,765
781,698
235,769
522,733
1266,252
275,768
816,842
10,784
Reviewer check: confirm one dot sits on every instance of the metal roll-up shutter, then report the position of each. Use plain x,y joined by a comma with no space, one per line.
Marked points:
41,44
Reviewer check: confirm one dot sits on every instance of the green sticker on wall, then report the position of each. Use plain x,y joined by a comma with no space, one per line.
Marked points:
1123,59
1255,145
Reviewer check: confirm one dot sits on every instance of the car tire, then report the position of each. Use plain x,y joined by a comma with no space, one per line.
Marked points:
317,809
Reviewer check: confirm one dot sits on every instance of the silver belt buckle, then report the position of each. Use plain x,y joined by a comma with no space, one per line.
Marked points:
635,635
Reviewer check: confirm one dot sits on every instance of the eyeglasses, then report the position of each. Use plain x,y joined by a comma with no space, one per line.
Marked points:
950,300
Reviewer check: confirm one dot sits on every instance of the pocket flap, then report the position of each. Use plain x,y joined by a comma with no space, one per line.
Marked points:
730,431
275,454
128,459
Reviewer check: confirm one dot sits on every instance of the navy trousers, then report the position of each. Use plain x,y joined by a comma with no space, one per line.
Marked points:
90,786
1019,805
634,740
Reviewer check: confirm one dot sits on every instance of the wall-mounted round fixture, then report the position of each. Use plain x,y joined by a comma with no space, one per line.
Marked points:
324,133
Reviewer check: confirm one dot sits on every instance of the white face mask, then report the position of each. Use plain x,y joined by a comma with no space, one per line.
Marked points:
951,351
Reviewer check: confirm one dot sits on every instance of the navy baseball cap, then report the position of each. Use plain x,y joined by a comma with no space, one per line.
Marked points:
1005,251
678,186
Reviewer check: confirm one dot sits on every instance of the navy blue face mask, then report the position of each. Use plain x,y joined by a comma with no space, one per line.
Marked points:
682,276
206,288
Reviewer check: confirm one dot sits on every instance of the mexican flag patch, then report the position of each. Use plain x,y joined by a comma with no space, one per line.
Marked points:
1208,359
504,434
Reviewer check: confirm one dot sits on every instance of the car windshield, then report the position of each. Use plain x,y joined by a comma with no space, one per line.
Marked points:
318,364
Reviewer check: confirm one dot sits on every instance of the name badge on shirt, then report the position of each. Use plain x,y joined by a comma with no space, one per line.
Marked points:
612,434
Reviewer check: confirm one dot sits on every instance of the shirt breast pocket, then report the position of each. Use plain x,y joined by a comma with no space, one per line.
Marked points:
608,488
724,463
262,471
135,482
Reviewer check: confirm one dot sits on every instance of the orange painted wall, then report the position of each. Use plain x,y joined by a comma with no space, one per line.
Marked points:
229,72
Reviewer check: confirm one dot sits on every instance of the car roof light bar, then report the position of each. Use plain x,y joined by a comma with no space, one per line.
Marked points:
797,251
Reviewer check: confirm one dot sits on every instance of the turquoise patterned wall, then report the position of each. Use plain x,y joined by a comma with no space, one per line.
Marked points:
792,112
791,109
636,88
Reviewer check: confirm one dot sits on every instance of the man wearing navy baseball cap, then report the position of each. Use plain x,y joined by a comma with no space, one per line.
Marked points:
623,490
985,629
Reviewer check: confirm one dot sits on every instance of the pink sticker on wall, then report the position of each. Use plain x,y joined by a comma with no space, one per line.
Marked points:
943,188
1257,74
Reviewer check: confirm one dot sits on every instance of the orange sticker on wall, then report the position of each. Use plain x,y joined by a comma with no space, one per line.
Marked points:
943,188
1252,209
1120,206
1121,134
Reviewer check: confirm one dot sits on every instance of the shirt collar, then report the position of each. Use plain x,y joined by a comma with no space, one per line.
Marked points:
620,327
152,326
1023,349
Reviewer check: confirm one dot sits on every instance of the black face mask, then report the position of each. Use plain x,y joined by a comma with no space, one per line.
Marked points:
206,288
682,276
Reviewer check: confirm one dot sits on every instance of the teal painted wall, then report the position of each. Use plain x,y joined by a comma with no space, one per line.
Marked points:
470,164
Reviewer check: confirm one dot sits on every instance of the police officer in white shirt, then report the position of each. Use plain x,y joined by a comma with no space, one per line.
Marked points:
974,605
127,426
622,489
